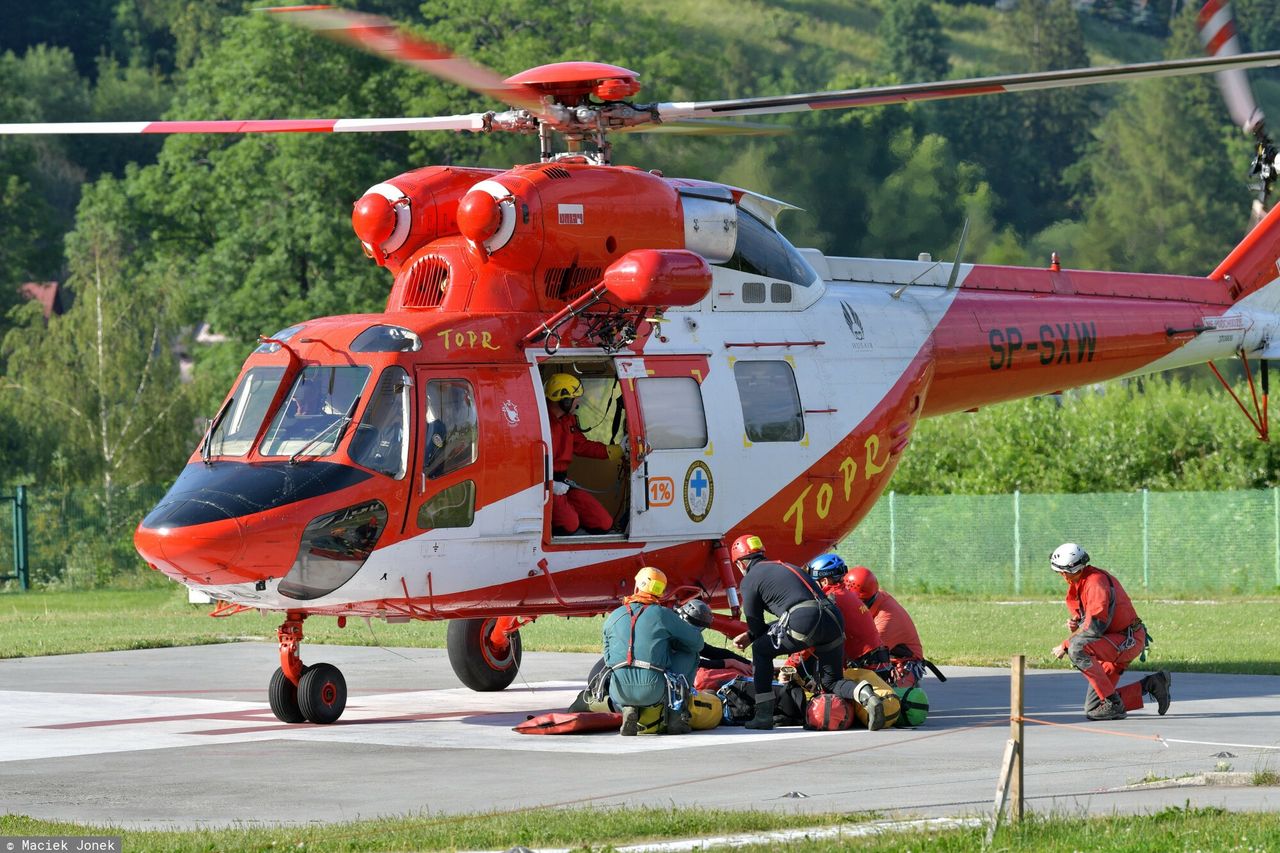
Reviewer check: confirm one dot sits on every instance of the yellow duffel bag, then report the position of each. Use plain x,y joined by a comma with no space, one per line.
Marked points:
892,705
705,711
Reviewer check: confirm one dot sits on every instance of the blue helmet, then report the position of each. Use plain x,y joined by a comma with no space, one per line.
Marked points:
826,567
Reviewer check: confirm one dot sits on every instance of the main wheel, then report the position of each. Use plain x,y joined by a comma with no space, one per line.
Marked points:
476,662
322,693
283,696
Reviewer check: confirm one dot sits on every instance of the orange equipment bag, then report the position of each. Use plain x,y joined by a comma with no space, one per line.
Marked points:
561,723
828,712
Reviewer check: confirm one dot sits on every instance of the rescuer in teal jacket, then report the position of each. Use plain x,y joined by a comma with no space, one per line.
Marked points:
643,642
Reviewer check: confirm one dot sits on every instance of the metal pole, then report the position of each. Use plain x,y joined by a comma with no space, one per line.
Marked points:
893,545
1146,540
1015,734
20,565
1017,542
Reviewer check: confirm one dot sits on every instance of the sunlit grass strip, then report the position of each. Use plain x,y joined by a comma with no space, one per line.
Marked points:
582,827
1172,828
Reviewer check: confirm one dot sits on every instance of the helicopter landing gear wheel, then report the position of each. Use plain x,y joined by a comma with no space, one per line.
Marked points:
322,694
283,695
481,661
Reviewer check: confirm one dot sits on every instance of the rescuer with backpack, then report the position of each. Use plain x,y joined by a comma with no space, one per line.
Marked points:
1106,636
651,654
805,618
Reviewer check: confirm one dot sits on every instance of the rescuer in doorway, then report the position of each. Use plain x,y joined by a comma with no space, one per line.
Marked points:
805,618
573,509
1106,636
897,630
651,654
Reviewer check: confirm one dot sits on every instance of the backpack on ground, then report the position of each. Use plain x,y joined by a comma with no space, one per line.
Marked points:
739,699
828,712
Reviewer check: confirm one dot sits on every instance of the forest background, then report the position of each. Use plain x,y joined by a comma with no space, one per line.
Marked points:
153,238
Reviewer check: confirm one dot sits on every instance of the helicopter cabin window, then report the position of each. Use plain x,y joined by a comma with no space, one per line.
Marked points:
316,413
673,414
770,400
379,442
763,251
234,433
451,427
453,507
386,339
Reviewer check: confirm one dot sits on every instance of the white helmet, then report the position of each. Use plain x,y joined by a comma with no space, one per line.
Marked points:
1069,558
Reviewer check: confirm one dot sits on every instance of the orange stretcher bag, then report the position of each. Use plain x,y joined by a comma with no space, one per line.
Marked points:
568,723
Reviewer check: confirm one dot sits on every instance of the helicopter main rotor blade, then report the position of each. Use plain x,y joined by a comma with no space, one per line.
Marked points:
382,37
907,92
710,127
477,122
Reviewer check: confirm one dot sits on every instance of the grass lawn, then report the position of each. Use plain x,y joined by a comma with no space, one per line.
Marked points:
1230,635
595,829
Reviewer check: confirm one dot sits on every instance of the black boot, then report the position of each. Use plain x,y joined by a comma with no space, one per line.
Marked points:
1112,708
630,721
1156,685
678,721
764,714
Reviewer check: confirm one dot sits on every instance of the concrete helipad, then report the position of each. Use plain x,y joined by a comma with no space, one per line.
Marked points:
184,737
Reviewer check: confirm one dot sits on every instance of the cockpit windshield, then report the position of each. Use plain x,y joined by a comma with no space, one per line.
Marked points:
315,413
237,424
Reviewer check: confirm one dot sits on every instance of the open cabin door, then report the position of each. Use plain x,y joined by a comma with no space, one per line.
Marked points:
673,476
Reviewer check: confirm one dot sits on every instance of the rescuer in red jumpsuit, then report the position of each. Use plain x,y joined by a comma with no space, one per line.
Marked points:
897,630
1106,636
573,509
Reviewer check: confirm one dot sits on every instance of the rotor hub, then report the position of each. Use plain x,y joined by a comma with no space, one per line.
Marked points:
569,83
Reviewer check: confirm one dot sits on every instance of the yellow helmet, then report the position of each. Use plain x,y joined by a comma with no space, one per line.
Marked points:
562,386
651,580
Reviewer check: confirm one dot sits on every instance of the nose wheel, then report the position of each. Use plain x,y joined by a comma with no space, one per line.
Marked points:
304,694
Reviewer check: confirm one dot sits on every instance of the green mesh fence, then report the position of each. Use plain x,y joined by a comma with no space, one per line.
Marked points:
78,537
1162,543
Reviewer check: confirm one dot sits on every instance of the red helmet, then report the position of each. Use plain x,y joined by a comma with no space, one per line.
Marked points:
746,546
862,581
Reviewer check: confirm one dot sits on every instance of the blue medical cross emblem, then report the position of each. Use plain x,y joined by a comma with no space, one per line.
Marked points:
699,483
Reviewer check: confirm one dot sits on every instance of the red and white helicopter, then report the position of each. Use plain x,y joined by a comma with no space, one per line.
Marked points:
397,465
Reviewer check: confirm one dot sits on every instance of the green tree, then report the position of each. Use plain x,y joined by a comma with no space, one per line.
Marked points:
102,379
1028,141
912,45
1162,192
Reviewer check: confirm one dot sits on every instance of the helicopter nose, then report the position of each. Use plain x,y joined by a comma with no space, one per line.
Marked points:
206,553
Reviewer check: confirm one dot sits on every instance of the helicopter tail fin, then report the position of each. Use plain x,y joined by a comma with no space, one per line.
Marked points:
1254,263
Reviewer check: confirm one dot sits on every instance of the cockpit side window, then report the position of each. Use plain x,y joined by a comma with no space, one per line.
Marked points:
379,442
451,427
234,434
316,412
763,251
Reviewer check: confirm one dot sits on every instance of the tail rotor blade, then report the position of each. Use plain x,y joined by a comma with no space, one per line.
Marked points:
1218,35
